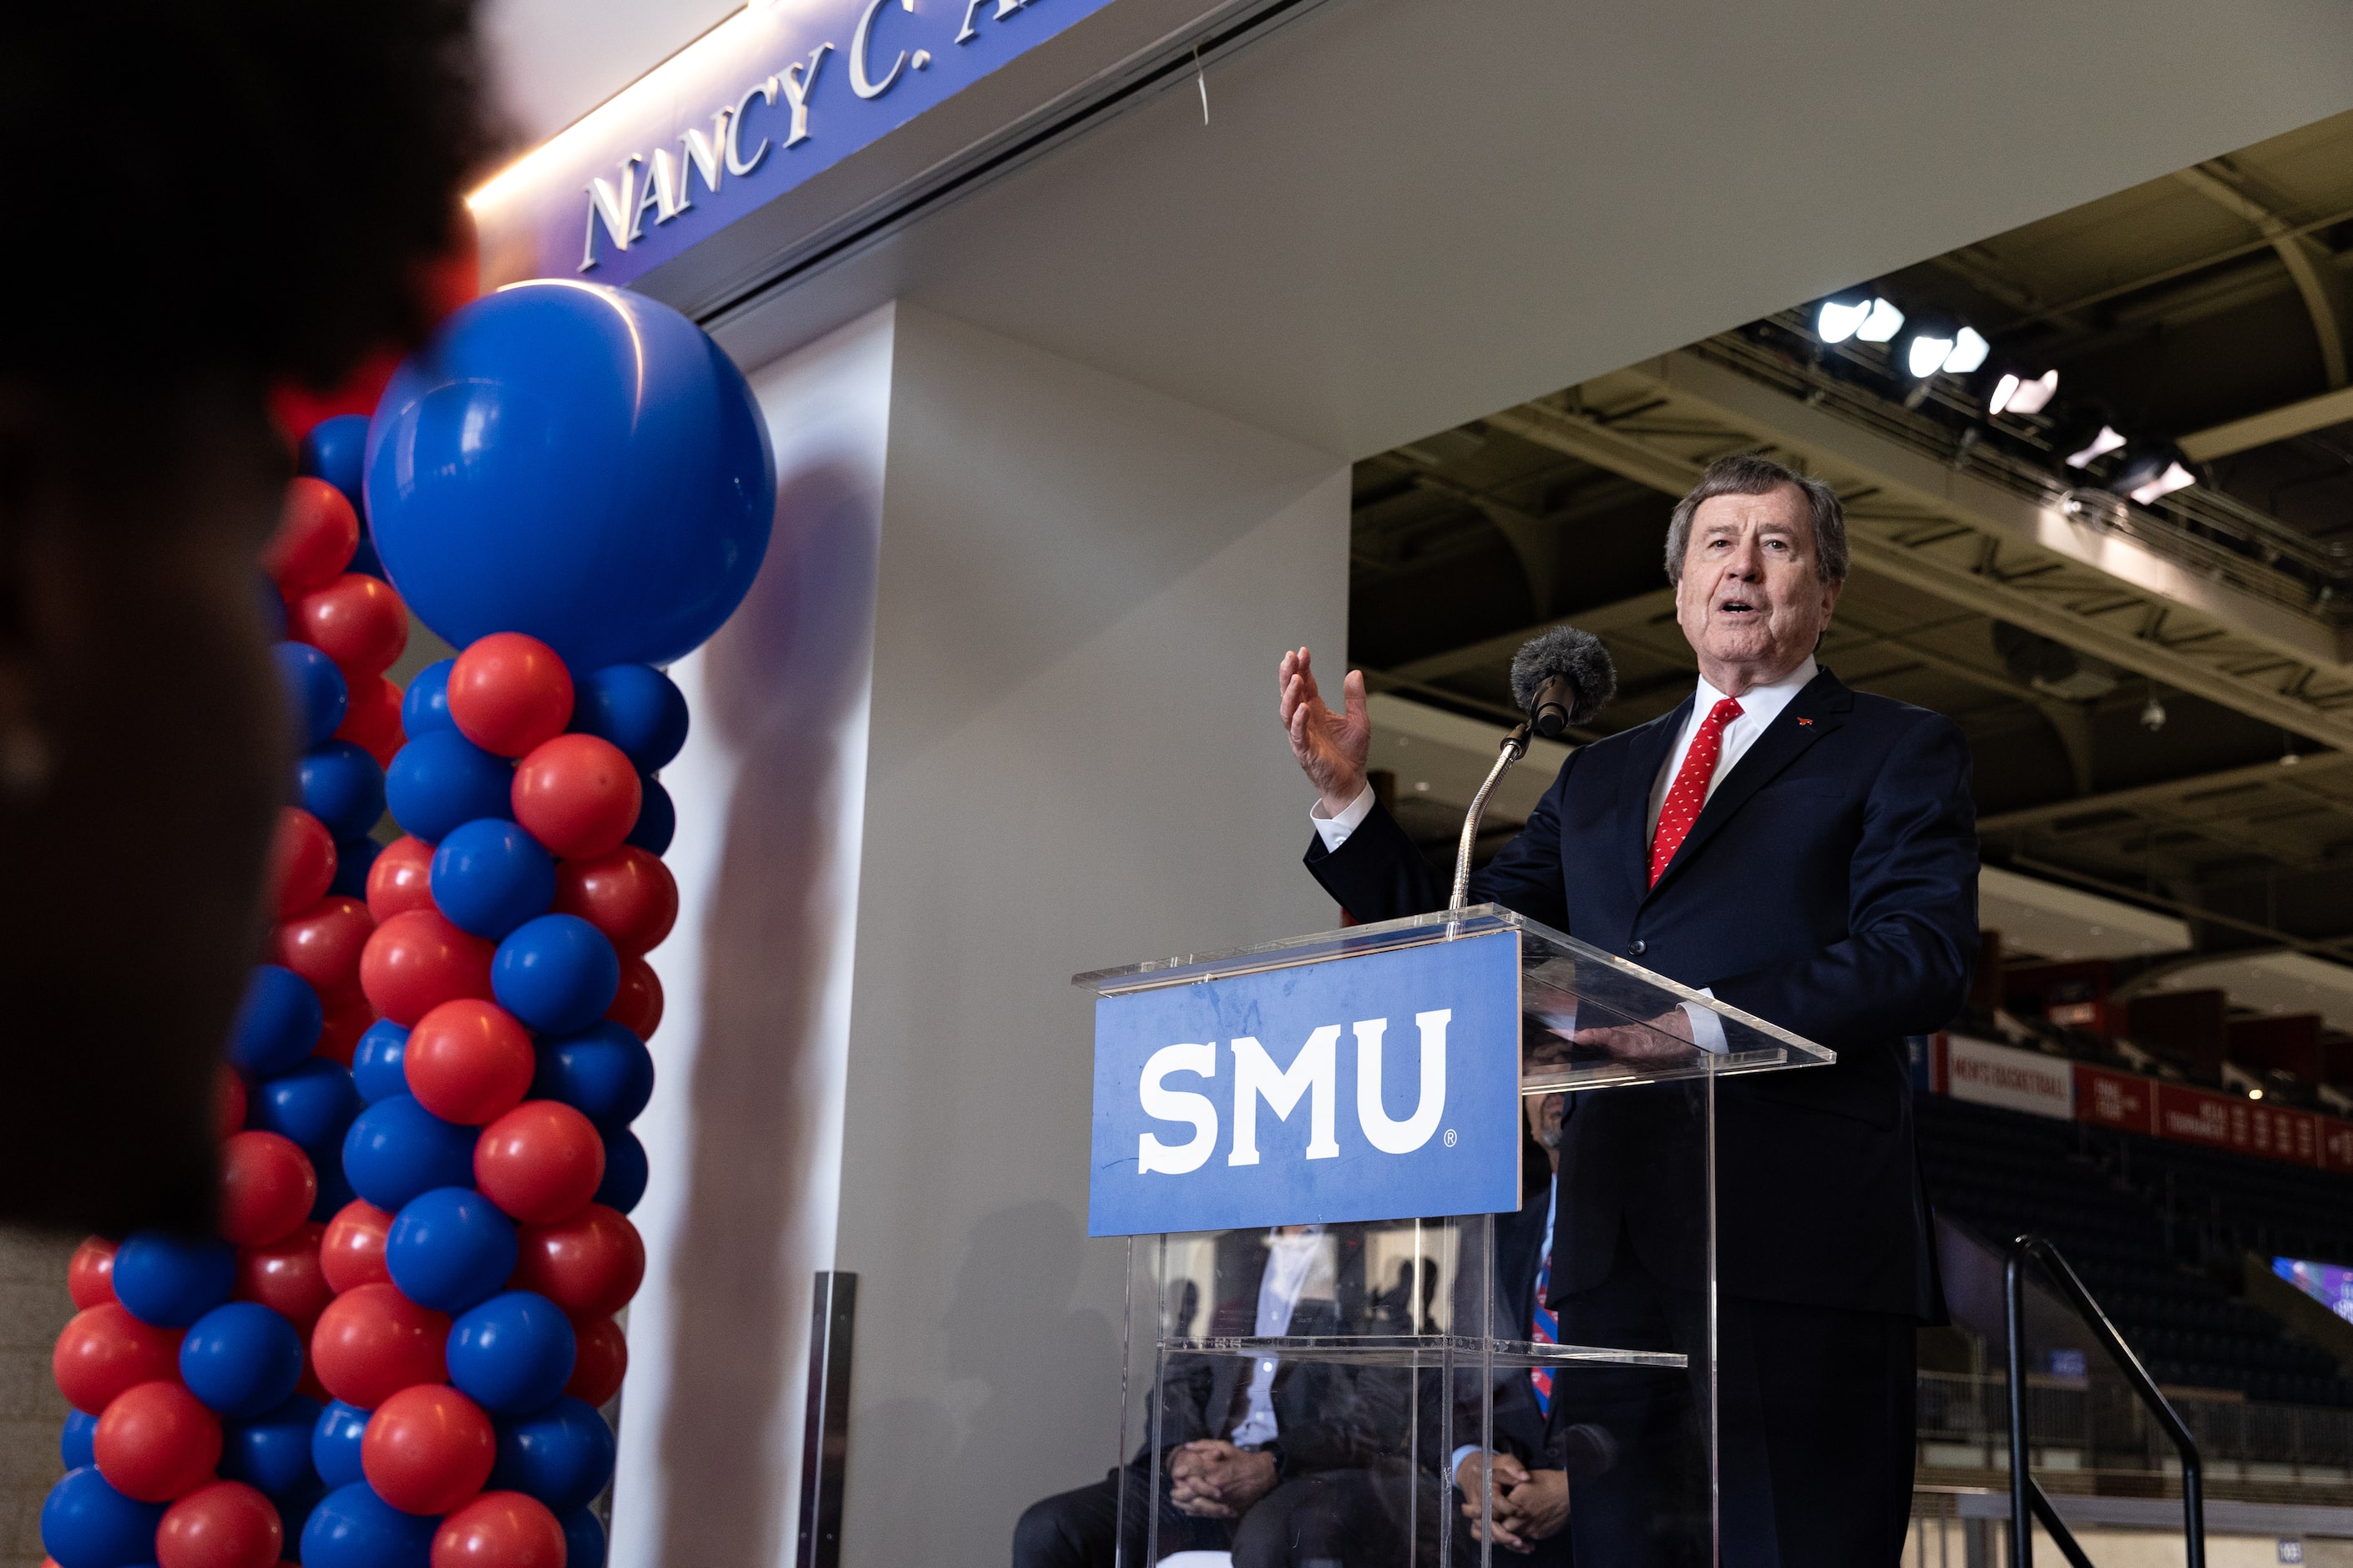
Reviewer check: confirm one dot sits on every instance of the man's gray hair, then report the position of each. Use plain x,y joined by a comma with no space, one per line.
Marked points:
1753,475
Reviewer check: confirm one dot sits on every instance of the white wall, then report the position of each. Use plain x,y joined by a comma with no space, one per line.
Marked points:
555,60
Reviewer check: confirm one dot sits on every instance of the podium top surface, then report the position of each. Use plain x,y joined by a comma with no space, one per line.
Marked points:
1591,1018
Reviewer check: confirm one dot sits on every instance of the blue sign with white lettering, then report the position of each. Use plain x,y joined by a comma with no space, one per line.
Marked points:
1380,1086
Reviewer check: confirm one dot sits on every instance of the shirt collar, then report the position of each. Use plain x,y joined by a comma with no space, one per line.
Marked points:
1772,696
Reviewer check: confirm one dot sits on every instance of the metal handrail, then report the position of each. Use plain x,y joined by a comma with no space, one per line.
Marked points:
2026,1498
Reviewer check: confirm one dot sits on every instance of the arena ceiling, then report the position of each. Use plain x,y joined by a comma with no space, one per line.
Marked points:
2159,694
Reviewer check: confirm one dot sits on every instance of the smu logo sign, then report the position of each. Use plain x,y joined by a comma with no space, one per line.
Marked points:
1381,1086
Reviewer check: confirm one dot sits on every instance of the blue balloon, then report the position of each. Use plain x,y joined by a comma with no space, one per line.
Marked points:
397,1149
335,450
336,1444
449,1248
624,507
604,1072
311,1103
85,1523
490,876
625,1171
379,1064
76,1444
272,1453
353,1528
513,1354
242,1359
635,706
557,974
334,1189
343,787
278,1022
172,1280
354,858
584,1539
440,780
561,1454
273,607
315,691
656,822
425,706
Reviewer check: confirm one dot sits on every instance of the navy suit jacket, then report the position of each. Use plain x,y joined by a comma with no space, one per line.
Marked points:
1829,886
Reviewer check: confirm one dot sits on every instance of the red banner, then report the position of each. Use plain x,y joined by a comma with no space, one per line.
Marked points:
2115,1098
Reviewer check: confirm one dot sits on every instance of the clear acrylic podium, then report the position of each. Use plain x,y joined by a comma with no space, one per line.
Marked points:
1362,1358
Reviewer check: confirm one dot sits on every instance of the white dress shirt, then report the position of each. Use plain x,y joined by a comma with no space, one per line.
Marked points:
1297,1267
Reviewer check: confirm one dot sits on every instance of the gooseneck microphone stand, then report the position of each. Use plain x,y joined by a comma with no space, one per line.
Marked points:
1515,746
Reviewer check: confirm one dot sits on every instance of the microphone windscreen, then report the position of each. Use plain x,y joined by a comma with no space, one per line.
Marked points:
1575,656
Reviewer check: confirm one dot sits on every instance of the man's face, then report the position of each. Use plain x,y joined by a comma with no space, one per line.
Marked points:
1752,600
1545,1113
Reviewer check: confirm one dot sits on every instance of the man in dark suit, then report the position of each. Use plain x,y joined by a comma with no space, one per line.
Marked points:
1802,851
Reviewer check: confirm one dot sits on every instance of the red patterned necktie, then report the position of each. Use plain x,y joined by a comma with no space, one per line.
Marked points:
1689,792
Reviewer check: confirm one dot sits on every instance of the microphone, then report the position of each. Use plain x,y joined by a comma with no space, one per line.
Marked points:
1561,678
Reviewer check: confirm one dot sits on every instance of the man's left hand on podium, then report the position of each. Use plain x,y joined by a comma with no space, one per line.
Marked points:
1667,1037
1211,1478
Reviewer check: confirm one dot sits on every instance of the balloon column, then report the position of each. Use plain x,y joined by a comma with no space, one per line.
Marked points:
394,1351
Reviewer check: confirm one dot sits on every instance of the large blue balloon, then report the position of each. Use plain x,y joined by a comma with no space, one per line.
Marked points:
618,508
278,1022
557,974
604,1072
635,706
490,876
311,1103
354,858
336,1444
86,1523
76,1442
441,780
425,706
272,1453
561,1454
353,1528
379,1064
626,1171
656,822
315,691
242,1359
584,1539
450,1249
397,1149
513,1354
343,787
172,1280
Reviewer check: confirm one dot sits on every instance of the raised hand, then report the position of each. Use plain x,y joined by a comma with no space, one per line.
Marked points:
1331,748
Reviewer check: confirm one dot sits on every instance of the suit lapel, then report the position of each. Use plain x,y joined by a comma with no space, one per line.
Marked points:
1644,758
1812,714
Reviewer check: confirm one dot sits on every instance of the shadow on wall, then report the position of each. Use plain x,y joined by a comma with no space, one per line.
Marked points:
782,680
1009,1368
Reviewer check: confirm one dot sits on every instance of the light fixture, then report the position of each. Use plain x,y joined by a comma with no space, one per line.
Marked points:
1925,354
2013,396
2174,478
1883,321
2106,441
1841,315
2152,471
2254,1094
2152,713
1970,351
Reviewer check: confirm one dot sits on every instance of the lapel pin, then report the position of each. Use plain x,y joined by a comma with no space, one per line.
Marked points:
1805,721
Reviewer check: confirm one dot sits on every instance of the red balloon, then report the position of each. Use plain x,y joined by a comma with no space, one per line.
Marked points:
499,1529
401,879
348,1017
428,1449
510,693
629,895
417,961
356,620
589,1265
267,1188
578,795
229,1101
602,1362
90,1278
157,1442
225,1525
301,861
638,1004
323,944
372,721
540,1162
286,1276
318,533
351,1251
468,1062
105,1349
371,1342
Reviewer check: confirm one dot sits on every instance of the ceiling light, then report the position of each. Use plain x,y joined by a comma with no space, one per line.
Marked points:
2254,1094
2152,714
2106,441
1925,356
1970,351
1883,324
2012,395
1839,317
2174,478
